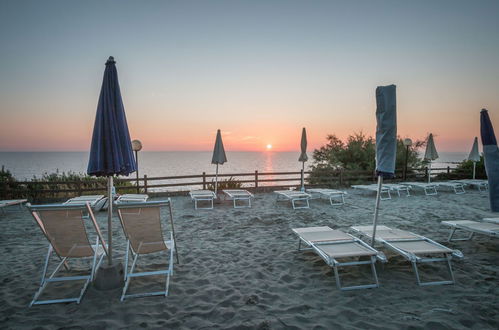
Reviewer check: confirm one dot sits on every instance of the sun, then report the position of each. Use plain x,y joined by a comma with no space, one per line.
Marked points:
269,146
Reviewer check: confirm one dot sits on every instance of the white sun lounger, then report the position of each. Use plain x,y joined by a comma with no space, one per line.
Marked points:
473,227
132,198
64,228
374,187
332,245
458,187
481,185
430,189
492,220
398,188
239,195
202,196
294,197
11,202
328,194
414,248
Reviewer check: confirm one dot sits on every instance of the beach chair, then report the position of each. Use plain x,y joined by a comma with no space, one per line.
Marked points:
202,196
399,188
294,197
141,224
457,187
64,228
487,227
239,195
481,185
334,245
336,197
374,187
430,189
11,202
132,198
414,248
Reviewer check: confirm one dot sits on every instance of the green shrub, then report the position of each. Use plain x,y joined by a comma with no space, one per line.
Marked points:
229,183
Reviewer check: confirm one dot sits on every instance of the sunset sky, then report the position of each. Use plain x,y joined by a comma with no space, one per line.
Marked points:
257,70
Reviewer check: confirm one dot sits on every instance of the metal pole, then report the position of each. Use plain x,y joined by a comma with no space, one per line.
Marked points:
376,208
109,220
429,172
216,180
137,171
303,176
474,170
173,228
406,159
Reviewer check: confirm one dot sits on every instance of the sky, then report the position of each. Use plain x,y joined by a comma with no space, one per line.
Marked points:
257,70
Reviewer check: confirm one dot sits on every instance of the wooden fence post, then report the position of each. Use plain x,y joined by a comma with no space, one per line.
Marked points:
204,180
256,179
341,177
145,184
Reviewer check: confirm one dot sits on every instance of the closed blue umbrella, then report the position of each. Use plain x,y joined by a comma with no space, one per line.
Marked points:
491,156
386,140
111,151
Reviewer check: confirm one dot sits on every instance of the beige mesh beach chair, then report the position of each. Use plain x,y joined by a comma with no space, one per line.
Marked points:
295,197
202,196
487,227
64,228
141,223
414,248
334,245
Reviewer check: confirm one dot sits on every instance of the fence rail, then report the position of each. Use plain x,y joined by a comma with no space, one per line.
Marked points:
256,181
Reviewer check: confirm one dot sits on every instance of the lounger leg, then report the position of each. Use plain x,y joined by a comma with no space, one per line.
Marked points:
373,268
299,244
337,277
453,230
44,273
415,267
127,282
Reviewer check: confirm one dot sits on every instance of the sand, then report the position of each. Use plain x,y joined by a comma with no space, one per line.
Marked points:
240,269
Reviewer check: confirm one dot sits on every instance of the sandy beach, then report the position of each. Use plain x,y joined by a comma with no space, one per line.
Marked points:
240,269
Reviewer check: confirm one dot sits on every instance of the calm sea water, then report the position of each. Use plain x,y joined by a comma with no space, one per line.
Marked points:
25,165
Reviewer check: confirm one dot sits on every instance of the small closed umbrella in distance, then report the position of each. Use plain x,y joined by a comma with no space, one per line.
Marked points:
111,150
474,156
491,157
303,156
430,154
218,156
386,141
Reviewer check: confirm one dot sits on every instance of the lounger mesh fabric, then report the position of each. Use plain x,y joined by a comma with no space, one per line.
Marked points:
325,235
420,247
345,250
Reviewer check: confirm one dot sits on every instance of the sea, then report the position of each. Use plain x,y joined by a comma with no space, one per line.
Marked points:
26,165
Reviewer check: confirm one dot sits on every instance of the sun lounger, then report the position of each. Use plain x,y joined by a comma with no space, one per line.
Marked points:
64,228
239,195
458,187
141,223
489,228
96,201
414,248
430,189
202,196
294,197
11,202
374,187
132,198
328,194
334,245
492,220
481,185
398,188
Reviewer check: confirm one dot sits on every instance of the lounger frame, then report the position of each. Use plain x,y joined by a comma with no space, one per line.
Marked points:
239,195
430,189
4,204
328,194
384,190
294,197
455,226
202,196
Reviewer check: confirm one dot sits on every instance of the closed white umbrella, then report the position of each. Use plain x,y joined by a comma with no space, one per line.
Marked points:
474,155
303,156
430,154
218,156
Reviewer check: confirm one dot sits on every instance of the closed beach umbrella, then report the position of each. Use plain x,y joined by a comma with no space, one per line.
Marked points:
474,155
111,150
386,140
218,155
491,156
303,156
430,154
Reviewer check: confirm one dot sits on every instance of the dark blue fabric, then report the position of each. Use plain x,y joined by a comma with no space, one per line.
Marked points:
386,131
491,157
111,151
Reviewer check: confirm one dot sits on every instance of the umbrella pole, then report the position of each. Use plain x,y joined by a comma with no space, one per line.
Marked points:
376,208
173,230
109,220
216,180
429,172
474,170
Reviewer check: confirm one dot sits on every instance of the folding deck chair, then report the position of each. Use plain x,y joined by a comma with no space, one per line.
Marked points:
430,189
332,245
458,187
294,197
64,228
487,227
414,248
239,195
11,202
141,223
374,187
328,194
202,196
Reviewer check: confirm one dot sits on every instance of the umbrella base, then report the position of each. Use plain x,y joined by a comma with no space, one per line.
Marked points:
109,277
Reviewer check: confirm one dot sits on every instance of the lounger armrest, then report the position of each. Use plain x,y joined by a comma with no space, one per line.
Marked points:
458,254
381,257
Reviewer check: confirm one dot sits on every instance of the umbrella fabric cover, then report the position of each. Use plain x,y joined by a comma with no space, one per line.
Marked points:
386,130
219,151
111,151
474,154
491,156
430,152
303,155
